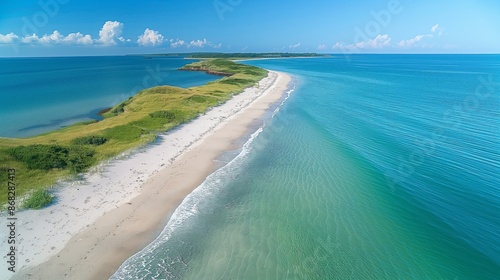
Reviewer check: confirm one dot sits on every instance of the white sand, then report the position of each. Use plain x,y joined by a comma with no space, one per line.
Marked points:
42,234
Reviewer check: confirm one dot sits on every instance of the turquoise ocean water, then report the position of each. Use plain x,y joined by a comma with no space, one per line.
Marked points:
375,167
43,94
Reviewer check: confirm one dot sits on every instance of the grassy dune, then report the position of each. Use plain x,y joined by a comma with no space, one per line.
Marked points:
42,160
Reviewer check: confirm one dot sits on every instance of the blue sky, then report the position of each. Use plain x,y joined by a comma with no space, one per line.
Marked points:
108,27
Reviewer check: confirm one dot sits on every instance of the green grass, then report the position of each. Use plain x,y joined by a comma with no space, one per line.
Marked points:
42,160
124,133
89,140
38,199
168,115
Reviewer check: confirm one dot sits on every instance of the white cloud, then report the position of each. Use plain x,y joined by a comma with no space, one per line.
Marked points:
414,42
419,40
150,38
57,38
110,31
384,41
376,43
438,29
8,38
30,39
54,38
321,47
109,35
294,46
340,45
78,38
198,43
176,43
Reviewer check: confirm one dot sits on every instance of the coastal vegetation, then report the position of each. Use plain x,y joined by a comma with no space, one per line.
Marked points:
240,56
39,198
42,160
253,55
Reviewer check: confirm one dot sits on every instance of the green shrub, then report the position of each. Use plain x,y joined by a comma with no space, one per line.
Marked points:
43,157
169,115
198,98
89,140
164,90
39,199
80,158
46,157
120,108
126,133
236,82
256,72
182,116
149,124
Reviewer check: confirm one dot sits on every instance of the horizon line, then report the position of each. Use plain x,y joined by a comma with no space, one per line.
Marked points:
187,53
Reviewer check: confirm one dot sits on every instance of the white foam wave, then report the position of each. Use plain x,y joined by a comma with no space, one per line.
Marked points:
187,209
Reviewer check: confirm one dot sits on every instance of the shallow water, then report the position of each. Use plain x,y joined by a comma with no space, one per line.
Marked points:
42,94
376,167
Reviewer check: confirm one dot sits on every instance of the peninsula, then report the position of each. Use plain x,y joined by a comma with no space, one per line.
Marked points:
43,160
102,217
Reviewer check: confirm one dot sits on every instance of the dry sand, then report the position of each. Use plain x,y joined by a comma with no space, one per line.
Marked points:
122,206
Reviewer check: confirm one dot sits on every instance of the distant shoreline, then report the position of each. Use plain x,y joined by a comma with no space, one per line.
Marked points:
269,58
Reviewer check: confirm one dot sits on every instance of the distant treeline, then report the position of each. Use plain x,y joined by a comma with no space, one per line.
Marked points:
251,55
239,55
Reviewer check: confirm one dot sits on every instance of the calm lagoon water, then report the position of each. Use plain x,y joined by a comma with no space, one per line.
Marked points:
42,94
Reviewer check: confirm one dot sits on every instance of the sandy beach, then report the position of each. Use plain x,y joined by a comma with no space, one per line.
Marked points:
120,206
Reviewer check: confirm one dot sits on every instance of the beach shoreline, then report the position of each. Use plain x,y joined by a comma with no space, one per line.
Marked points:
113,213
